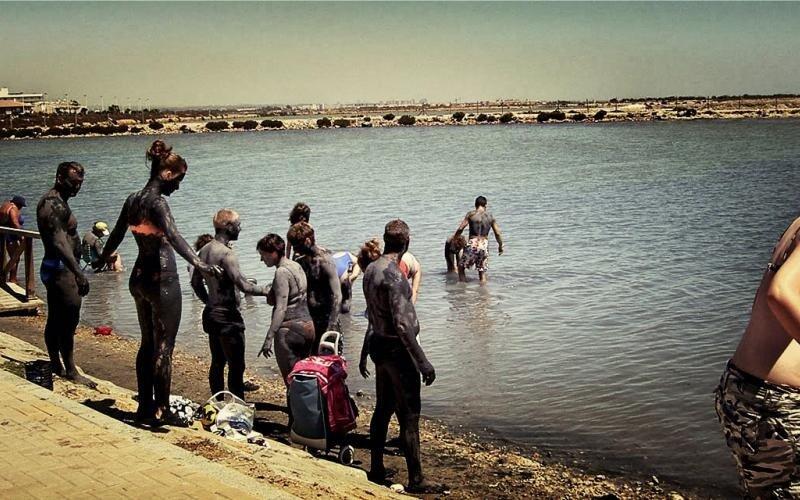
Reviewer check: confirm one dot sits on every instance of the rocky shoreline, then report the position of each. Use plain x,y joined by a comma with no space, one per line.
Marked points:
633,112
470,466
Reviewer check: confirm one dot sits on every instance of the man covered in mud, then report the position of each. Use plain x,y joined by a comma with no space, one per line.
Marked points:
324,290
222,320
476,253
398,357
60,271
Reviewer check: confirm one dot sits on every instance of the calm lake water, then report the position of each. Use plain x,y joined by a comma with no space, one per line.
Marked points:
633,252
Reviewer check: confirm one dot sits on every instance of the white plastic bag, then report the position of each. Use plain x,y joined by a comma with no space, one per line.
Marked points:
233,413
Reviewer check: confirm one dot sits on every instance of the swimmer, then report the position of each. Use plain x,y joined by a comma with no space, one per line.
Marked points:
222,319
476,253
154,280
60,272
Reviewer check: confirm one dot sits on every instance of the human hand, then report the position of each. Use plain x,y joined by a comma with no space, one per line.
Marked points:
266,350
83,284
428,373
209,271
362,367
500,250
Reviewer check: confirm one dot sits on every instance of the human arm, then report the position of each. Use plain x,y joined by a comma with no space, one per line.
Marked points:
163,219
118,233
404,318
416,281
329,268
498,237
280,290
355,269
230,264
53,218
199,287
464,223
362,363
13,218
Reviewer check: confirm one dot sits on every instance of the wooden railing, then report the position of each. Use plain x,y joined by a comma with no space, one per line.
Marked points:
27,244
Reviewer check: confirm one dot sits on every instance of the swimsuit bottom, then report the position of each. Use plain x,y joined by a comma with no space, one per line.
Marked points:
761,423
49,268
476,253
222,321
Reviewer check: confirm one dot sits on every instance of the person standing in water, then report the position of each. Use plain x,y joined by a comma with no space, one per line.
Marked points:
222,319
758,397
398,357
154,279
300,213
476,252
60,270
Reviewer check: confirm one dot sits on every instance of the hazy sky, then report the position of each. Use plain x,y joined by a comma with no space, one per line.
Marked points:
235,53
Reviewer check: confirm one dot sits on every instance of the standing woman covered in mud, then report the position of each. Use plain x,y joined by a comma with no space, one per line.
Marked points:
154,279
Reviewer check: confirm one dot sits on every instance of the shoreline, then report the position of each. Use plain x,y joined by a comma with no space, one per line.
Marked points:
637,112
472,466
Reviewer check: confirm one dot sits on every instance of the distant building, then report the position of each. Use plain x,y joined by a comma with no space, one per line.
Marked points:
27,100
8,107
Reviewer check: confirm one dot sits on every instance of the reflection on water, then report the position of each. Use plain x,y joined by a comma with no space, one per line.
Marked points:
632,256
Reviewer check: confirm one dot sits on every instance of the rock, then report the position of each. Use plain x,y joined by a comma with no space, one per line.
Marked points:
360,394
397,488
674,496
600,477
607,496
655,480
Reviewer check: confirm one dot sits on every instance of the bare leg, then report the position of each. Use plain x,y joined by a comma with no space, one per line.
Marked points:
462,275
482,276
144,358
167,320
379,425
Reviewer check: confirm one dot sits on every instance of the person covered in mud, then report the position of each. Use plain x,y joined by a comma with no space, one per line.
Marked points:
324,289
154,278
398,357
60,270
758,396
348,270
222,319
291,329
476,253
300,213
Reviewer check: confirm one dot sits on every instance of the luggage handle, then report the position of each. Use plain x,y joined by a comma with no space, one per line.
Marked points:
332,345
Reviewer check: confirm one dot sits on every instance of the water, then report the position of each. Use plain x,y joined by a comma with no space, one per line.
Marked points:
632,256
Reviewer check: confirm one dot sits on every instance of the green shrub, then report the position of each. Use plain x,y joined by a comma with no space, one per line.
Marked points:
543,117
458,116
600,114
342,123
323,122
155,125
136,130
577,117
367,119
272,124
507,118
557,115
407,120
388,117
481,118
491,119
217,126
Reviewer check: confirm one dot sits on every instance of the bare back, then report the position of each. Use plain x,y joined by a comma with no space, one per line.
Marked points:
767,350
480,223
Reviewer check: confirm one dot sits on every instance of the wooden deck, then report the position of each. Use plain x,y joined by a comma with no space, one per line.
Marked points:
13,299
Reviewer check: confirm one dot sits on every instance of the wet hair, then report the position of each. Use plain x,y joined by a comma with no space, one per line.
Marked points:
299,232
396,235
369,252
458,243
64,168
480,201
300,213
224,217
272,243
161,158
201,241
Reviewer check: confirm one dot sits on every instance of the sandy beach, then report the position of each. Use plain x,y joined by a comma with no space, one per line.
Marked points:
469,466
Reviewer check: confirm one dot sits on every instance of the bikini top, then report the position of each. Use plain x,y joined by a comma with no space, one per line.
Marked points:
147,228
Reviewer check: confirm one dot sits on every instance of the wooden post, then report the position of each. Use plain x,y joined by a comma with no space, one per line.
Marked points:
2,259
30,276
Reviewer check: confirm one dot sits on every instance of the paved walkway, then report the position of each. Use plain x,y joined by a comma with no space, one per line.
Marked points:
52,447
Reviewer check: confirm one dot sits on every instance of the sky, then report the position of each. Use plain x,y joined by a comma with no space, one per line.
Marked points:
203,54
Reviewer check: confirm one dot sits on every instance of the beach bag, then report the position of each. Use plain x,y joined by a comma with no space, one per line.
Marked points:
229,414
308,412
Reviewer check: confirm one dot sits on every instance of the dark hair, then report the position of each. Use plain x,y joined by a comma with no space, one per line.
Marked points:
201,241
369,252
480,201
300,213
299,232
271,243
64,168
396,235
162,158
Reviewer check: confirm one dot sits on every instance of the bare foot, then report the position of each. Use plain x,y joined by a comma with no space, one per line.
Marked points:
426,487
80,379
